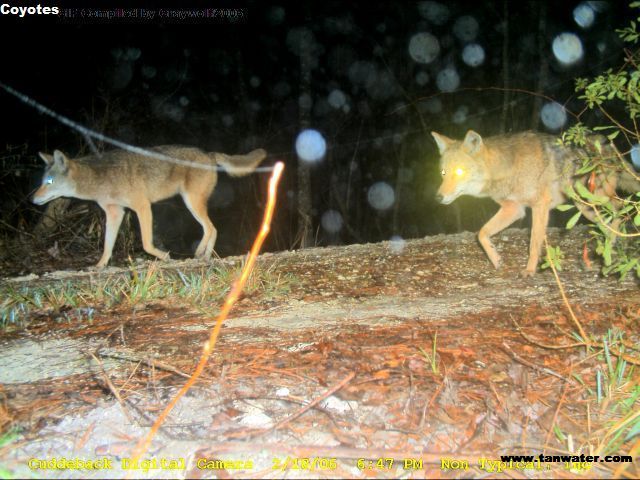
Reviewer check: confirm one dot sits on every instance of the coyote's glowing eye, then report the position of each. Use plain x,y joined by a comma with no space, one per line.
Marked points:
48,180
459,171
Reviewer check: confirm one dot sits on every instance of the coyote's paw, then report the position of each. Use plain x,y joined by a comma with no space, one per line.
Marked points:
205,249
102,263
527,273
160,255
496,262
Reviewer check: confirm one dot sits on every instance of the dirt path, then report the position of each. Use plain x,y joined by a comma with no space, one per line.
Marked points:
371,314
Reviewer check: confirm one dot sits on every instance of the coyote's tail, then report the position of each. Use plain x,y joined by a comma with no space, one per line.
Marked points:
239,165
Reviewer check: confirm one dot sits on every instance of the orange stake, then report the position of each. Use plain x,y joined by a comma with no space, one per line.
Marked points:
143,445
592,181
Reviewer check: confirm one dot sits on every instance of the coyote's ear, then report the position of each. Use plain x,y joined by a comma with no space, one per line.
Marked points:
442,141
60,158
472,142
46,158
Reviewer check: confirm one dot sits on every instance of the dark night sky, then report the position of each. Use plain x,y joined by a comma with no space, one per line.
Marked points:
233,86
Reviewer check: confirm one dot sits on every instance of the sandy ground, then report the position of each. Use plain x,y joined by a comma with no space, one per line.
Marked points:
364,318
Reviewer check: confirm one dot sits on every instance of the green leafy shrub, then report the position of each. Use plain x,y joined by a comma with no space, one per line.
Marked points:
616,95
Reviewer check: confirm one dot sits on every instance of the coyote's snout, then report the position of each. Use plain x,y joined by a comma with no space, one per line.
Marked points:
119,179
521,170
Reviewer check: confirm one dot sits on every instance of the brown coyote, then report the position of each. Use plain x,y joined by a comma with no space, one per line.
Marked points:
520,170
118,179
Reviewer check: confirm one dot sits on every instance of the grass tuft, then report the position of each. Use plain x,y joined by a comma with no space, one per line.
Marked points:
78,301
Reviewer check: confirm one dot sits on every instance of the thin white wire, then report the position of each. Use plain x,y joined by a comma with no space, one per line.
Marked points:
87,132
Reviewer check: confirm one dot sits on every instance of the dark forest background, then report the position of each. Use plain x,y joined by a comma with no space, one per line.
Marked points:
344,69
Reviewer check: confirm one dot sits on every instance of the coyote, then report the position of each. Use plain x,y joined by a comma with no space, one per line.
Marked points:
119,178
521,170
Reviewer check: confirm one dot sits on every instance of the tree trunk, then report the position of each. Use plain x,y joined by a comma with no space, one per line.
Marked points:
243,100
305,233
543,55
505,67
